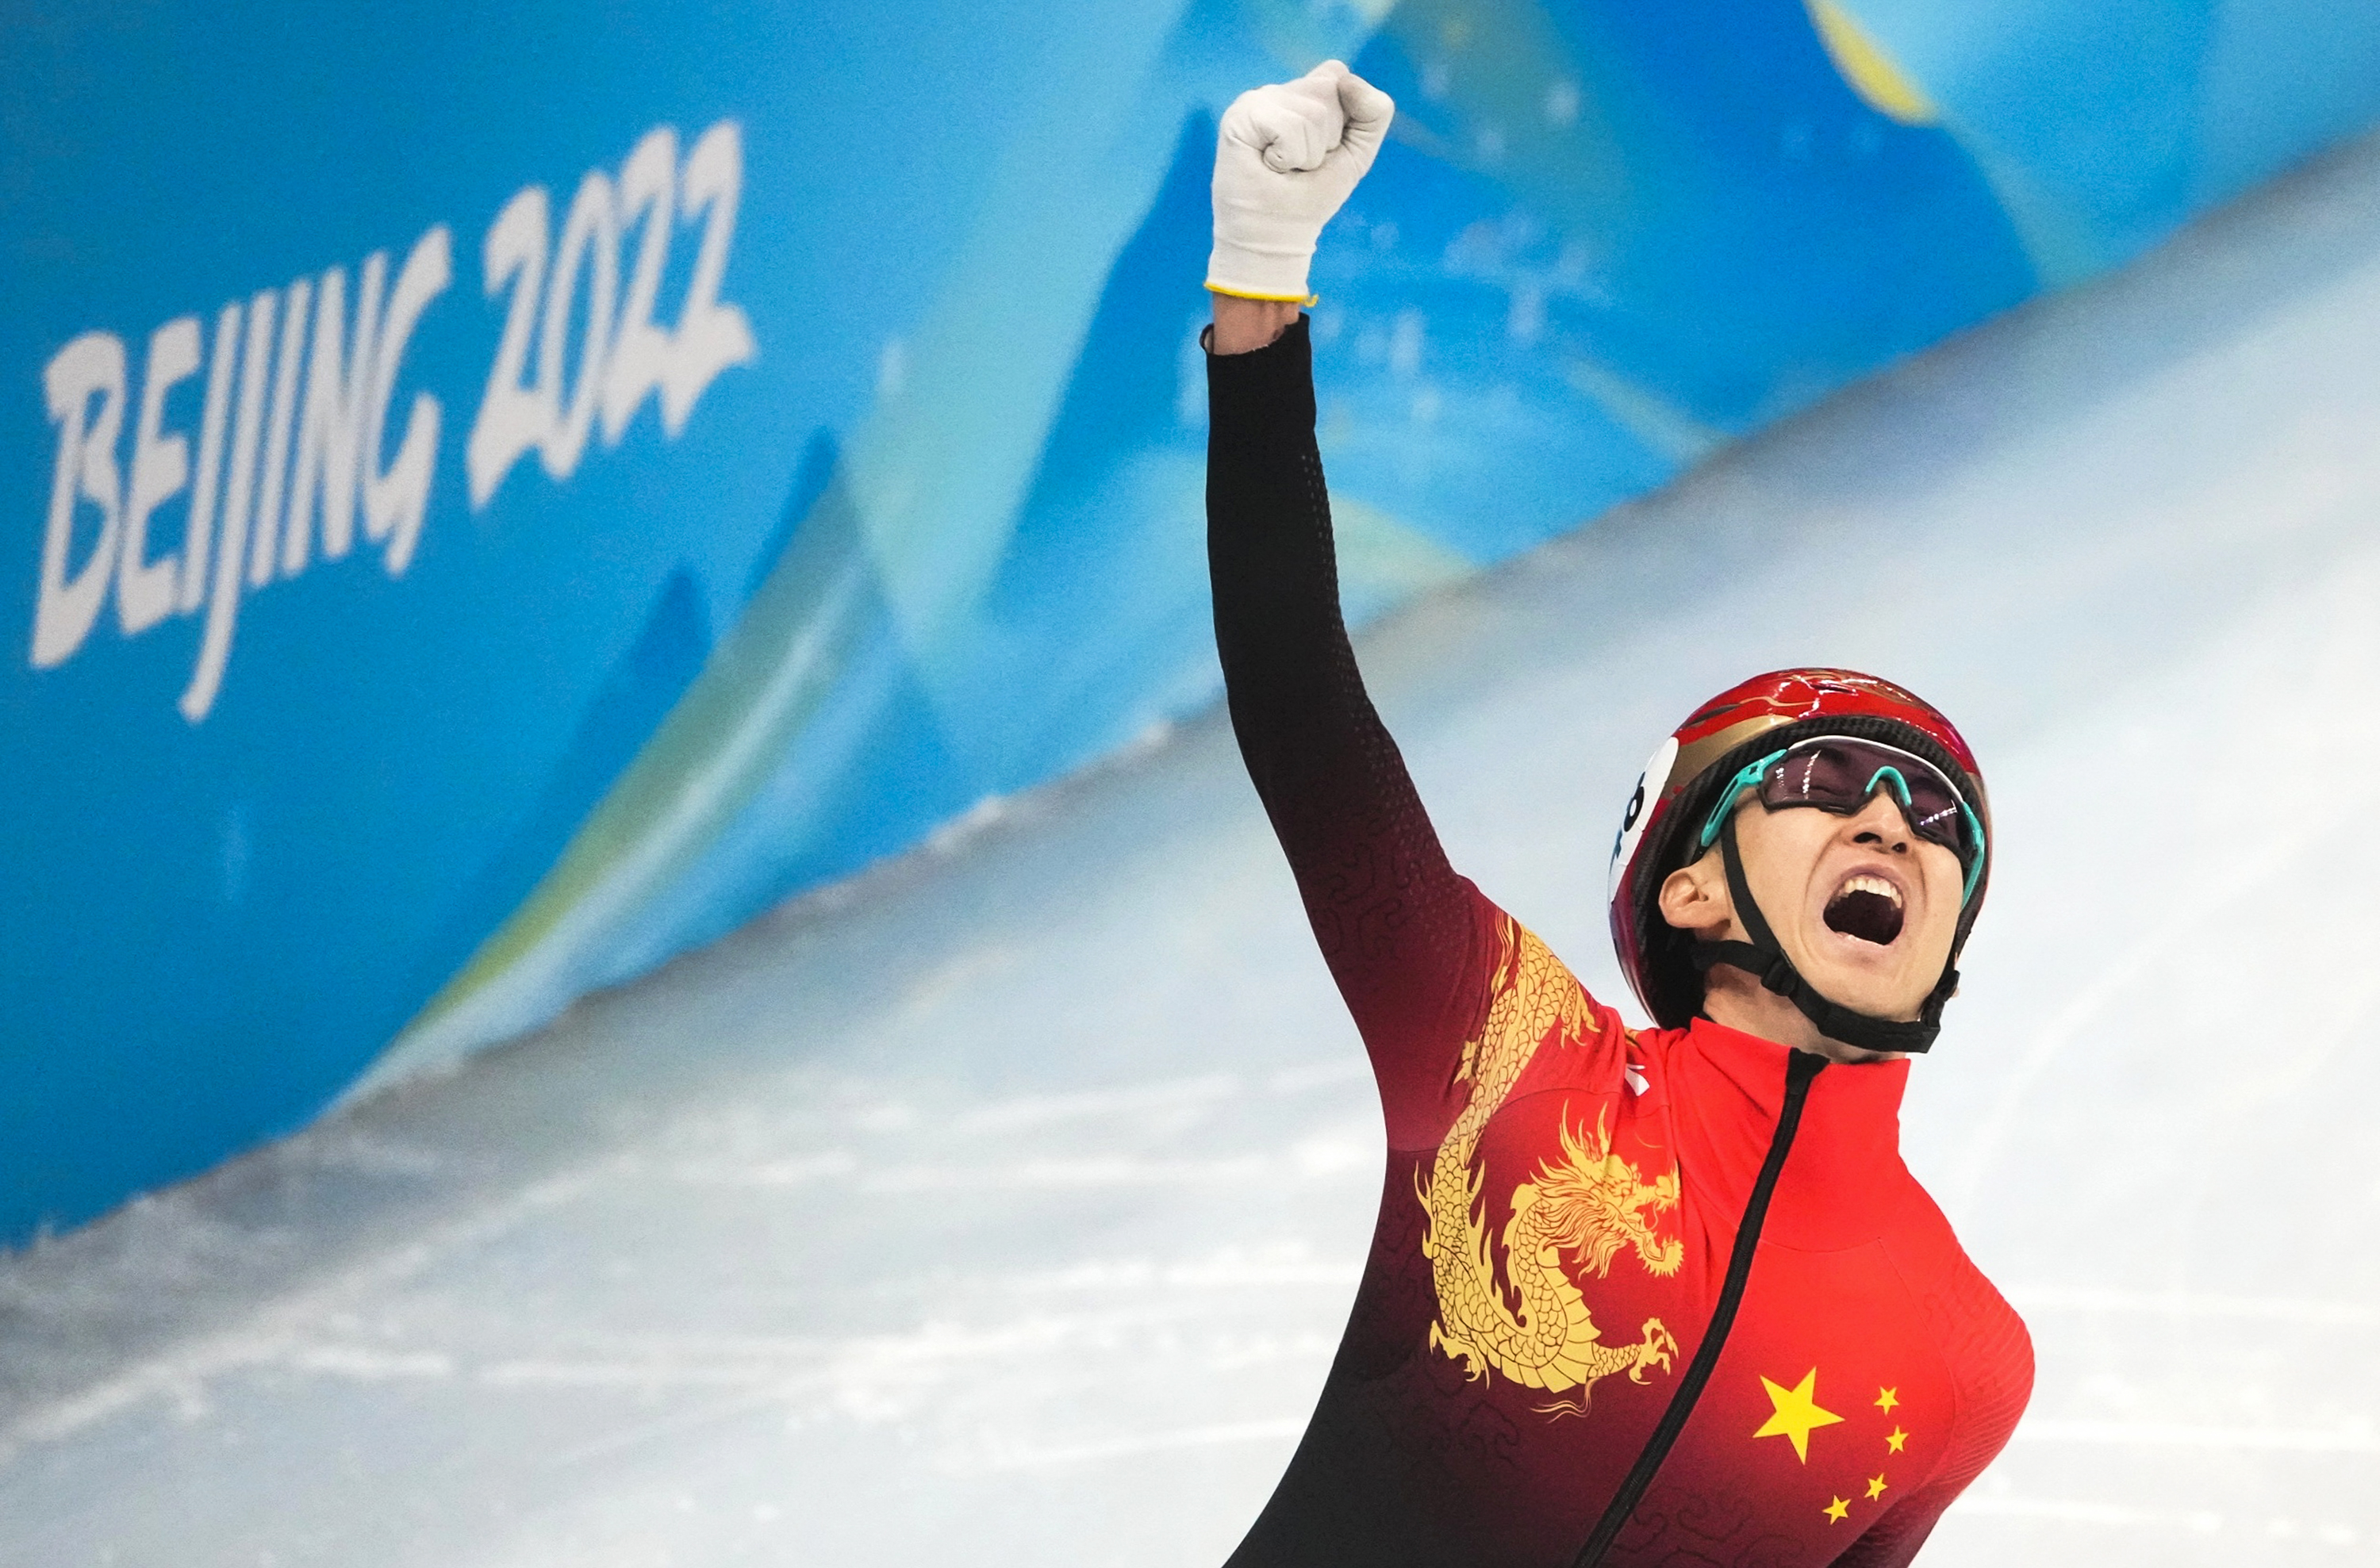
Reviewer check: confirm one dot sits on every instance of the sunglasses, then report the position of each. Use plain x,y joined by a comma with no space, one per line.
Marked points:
1836,774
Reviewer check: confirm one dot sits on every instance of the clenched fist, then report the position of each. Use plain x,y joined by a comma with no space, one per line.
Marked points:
1285,160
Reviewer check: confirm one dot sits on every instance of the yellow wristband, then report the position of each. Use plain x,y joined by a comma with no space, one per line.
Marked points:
1264,299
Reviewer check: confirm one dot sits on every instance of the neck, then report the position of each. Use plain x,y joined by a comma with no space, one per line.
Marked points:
1844,1178
1741,1002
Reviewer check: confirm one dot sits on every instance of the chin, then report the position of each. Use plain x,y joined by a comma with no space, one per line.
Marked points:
1867,978
1895,1004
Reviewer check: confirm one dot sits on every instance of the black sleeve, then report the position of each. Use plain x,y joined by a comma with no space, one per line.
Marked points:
1397,927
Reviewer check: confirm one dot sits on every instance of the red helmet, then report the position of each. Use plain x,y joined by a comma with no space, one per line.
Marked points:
1681,785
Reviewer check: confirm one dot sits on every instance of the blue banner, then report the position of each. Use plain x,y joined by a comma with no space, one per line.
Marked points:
499,497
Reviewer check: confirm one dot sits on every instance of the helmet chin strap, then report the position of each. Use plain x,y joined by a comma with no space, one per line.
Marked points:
1764,957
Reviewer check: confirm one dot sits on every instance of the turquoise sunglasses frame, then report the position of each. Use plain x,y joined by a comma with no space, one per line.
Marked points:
1750,775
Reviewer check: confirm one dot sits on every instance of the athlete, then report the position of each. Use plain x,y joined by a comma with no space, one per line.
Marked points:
1664,1296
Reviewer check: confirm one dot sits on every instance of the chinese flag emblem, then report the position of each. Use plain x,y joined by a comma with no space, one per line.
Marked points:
1855,1465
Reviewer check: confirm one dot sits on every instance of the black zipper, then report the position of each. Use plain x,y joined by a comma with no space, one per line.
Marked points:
1800,1069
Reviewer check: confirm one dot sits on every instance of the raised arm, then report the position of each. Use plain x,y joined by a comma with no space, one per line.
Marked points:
1399,929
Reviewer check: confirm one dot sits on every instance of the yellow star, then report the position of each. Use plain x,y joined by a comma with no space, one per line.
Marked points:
1835,1510
1796,1413
1894,1441
1886,1398
1876,1487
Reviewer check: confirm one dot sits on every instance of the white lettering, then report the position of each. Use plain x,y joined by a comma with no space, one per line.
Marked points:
640,350
265,542
397,499
199,537
512,419
591,243
91,365
711,336
300,399
231,548
331,431
145,590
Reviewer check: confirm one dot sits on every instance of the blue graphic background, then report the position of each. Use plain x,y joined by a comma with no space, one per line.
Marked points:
940,539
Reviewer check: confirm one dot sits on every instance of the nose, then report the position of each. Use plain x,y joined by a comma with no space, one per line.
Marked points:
1880,824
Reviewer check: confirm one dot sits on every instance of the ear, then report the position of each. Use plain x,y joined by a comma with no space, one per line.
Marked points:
1694,897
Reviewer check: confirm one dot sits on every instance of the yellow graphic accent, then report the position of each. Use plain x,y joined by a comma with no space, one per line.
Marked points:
1650,418
1872,73
1895,1440
1796,1413
1589,1202
1264,299
1885,1398
1876,1487
1595,1204
1383,559
1835,1510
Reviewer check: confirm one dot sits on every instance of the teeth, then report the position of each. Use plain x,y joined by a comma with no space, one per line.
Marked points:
1875,885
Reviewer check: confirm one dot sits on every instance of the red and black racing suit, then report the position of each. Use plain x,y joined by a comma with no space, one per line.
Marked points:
1563,1192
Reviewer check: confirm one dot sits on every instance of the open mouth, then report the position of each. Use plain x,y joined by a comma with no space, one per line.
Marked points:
1867,908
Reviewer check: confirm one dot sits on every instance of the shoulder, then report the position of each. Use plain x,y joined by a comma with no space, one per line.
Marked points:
1953,1292
1518,965
1535,1002
1980,1336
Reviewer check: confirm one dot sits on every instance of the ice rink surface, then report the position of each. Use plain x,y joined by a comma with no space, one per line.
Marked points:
1004,1206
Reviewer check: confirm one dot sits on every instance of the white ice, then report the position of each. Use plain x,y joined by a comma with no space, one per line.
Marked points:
1004,1206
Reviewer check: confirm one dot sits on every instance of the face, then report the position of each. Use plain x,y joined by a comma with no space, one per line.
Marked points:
1865,908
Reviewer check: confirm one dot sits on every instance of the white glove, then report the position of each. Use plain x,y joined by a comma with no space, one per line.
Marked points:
1285,160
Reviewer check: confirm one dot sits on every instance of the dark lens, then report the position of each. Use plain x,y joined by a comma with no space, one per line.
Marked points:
1826,777
1934,812
1834,776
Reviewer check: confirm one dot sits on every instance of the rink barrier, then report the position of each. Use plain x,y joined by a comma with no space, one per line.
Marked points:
500,504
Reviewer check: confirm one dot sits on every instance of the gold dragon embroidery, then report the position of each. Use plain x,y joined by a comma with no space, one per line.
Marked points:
1590,1204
